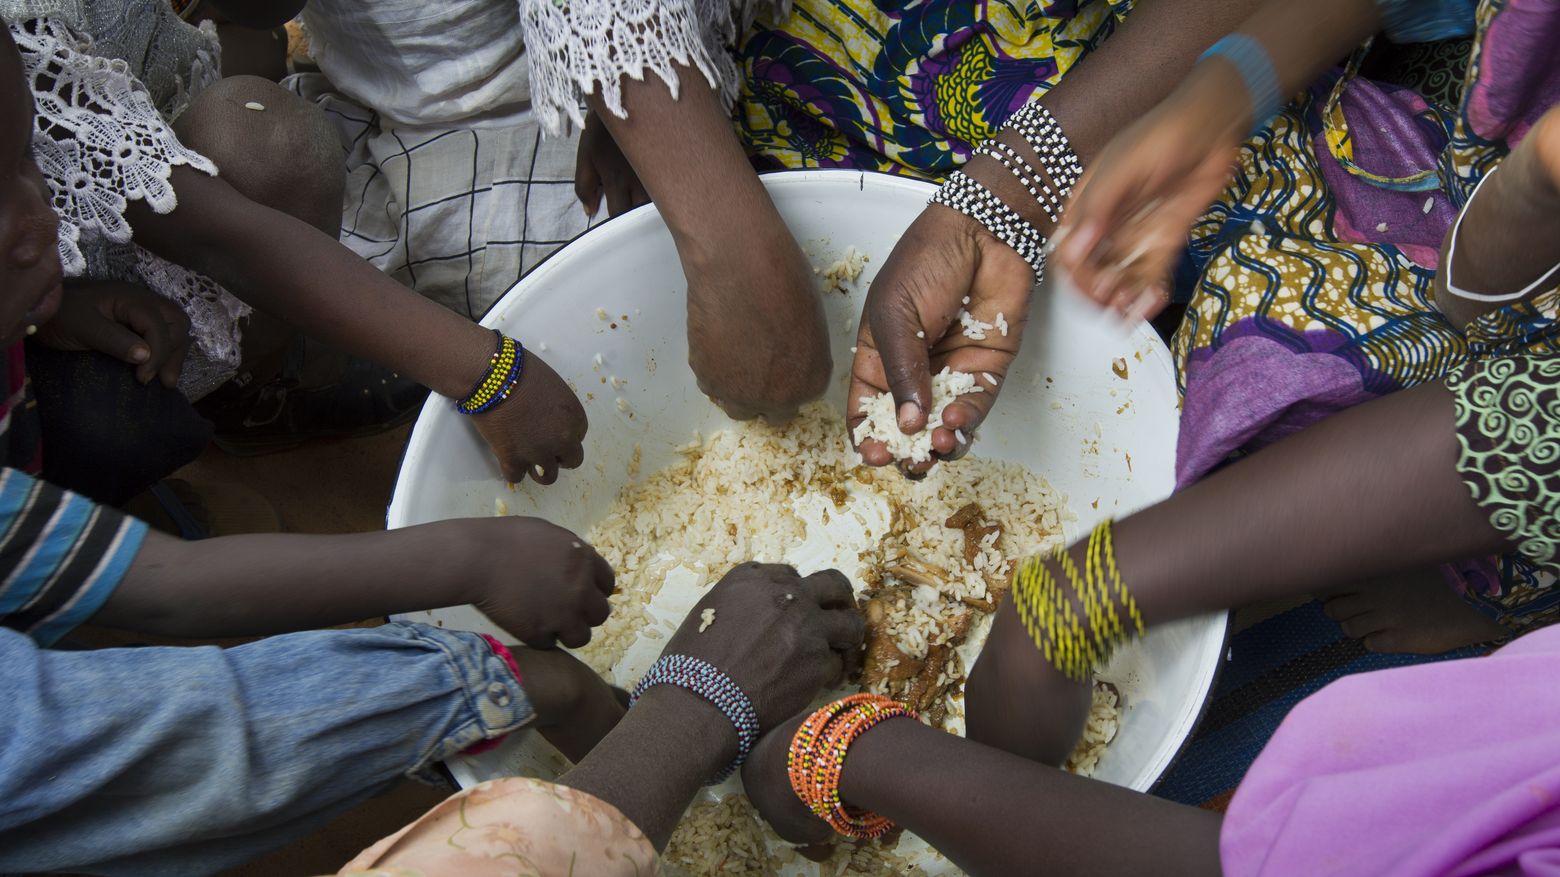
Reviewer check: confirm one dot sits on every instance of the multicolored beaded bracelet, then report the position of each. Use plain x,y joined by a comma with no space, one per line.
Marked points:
502,376
508,657
703,679
816,760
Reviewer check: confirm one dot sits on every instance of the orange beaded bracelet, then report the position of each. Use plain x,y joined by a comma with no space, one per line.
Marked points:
816,760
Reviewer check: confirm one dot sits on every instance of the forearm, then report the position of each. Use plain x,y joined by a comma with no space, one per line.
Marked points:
1154,55
1510,233
993,813
291,270
1368,491
273,583
656,759
686,154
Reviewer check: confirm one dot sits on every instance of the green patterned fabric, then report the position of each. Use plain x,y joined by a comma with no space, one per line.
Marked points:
1508,433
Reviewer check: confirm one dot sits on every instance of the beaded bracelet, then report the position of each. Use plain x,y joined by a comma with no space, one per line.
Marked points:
503,374
703,679
1076,645
1043,134
962,193
1250,59
816,760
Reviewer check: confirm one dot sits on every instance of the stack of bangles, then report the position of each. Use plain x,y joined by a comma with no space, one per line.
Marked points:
1059,170
702,678
816,760
1076,641
502,375
1059,167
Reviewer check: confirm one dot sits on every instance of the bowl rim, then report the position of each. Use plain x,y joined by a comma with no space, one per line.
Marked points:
785,178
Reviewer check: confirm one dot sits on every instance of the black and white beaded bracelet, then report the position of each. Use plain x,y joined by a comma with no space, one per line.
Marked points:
1044,135
962,193
1022,171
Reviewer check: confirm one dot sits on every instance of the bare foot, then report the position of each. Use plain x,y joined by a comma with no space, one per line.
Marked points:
1414,613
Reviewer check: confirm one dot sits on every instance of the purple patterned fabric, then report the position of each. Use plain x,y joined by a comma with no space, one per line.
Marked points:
1265,382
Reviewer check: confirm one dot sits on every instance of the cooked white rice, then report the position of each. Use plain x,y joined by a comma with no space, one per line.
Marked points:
881,421
756,492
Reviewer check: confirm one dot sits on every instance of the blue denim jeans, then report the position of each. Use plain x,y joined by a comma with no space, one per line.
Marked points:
190,760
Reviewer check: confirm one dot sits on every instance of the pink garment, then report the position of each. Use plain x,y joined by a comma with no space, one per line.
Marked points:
1441,769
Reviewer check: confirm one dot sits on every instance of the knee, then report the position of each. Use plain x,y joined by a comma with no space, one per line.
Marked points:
271,145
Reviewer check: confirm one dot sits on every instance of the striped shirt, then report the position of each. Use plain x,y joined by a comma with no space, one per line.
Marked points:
61,555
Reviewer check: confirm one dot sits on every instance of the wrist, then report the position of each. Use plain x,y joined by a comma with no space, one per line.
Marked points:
874,764
698,727
991,174
1214,102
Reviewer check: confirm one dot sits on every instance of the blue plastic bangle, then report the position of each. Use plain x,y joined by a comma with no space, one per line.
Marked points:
701,678
1251,60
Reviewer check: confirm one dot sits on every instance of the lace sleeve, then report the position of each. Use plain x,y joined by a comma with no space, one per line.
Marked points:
578,46
99,140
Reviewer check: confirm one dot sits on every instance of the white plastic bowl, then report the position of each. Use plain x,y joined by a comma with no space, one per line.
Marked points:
1104,440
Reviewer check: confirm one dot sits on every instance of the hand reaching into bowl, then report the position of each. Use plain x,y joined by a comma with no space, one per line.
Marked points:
757,341
534,579
539,428
1129,217
910,328
781,637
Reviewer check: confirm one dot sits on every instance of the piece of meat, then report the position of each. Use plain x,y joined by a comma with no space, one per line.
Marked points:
884,661
926,690
972,520
969,512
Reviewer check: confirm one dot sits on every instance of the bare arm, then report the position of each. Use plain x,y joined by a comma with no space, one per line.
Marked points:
538,581
964,797
1510,233
1368,491
297,273
288,268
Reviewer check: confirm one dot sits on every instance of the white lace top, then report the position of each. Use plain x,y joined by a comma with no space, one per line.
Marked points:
473,62
102,141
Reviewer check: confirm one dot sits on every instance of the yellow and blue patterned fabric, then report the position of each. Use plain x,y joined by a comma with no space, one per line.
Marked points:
906,88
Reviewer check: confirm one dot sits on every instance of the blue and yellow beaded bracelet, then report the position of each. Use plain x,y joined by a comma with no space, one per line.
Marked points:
502,376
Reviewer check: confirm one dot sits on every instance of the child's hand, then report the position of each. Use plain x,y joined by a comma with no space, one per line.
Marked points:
538,581
1129,217
125,321
600,168
779,636
539,428
910,327
757,341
